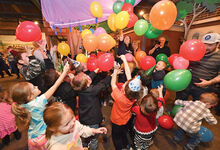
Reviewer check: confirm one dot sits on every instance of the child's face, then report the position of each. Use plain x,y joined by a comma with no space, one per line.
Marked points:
87,78
24,59
160,65
35,91
67,123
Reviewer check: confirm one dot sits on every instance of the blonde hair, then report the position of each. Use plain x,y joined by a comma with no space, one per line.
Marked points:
211,98
79,82
52,117
154,93
20,93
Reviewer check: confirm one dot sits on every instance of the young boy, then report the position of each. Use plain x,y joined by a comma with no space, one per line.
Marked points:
189,118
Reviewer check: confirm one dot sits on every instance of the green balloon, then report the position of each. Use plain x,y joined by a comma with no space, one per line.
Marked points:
176,109
152,32
117,6
162,57
130,1
140,27
177,80
150,71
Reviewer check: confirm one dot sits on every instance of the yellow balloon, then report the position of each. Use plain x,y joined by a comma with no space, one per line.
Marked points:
111,22
84,32
81,58
96,9
121,20
63,48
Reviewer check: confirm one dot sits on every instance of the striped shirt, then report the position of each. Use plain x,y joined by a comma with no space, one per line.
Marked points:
207,68
189,118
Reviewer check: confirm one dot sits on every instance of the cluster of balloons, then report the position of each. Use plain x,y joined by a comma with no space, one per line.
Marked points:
166,122
123,15
27,31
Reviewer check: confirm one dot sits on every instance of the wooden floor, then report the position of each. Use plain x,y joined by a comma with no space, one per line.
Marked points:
162,139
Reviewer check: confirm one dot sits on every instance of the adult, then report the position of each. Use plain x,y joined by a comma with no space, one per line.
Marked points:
12,54
136,47
206,72
160,47
3,66
125,45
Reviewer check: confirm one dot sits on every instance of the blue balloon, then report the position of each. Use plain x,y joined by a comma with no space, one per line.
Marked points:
92,31
206,134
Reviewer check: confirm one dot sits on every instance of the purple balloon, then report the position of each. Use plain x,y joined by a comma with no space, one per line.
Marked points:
99,30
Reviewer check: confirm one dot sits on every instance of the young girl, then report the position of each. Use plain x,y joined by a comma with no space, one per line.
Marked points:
29,109
63,130
123,102
7,119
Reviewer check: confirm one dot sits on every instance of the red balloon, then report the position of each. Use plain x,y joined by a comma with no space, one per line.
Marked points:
27,31
127,7
106,62
166,122
92,64
99,54
193,50
132,20
172,58
147,62
92,56
180,63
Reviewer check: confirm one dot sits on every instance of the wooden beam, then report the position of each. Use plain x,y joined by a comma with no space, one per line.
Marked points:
24,3
13,15
37,4
16,8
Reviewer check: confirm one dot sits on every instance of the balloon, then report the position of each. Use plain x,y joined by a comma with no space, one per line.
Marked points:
193,50
177,80
81,58
27,31
96,9
130,1
106,62
99,54
90,42
180,63
206,134
166,122
140,27
150,71
172,58
152,32
84,32
92,31
132,20
127,7
92,56
121,20
139,55
111,22
63,48
99,30
176,109
162,57
129,57
147,62
163,15
117,6
92,64
104,42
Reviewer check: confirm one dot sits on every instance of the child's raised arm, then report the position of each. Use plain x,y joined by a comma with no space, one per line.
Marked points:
127,69
114,76
51,90
160,90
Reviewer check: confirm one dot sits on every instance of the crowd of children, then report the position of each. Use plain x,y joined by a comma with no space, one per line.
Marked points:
52,124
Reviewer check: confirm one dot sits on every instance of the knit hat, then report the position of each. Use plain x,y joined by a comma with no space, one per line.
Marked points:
135,84
75,63
211,38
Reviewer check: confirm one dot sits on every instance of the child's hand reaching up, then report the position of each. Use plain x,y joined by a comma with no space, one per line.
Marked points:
101,130
160,90
123,58
66,68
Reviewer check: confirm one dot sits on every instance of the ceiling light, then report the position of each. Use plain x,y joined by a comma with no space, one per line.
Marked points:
36,22
141,13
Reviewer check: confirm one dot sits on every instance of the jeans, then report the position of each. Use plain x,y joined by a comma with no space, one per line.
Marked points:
194,140
91,142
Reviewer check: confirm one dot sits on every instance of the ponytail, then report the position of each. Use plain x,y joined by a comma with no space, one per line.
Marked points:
22,115
49,133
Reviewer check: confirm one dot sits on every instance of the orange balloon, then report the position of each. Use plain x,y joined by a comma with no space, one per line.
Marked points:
90,42
139,55
104,42
163,15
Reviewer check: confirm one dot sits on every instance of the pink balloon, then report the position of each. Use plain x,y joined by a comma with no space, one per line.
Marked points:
105,62
172,58
99,30
193,50
180,63
147,62
129,57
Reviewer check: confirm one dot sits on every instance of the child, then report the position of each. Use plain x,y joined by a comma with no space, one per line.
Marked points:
189,118
89,103
7,119
63,130
145,122
123,102
30,106
158,74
